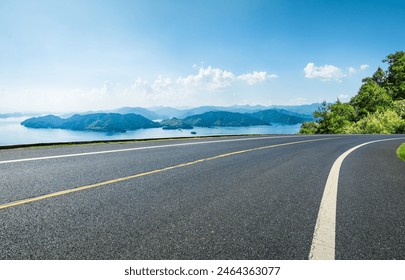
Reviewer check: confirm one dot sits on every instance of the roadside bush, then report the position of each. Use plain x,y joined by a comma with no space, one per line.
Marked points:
380,122
399,107
309,128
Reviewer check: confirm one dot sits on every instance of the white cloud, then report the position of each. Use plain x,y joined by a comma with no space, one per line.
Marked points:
364,66
216,79
162,84
108,87
330,72
208,85
351,70
326,72
255,77
208,78
141,85
343,96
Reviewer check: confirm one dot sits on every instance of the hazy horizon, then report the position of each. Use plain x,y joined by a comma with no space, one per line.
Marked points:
151,108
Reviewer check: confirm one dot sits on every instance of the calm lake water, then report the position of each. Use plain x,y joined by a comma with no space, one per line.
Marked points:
11,133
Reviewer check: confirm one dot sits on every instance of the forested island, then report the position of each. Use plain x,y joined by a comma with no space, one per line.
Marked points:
105,122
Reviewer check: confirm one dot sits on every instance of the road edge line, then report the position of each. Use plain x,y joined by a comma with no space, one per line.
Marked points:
144,148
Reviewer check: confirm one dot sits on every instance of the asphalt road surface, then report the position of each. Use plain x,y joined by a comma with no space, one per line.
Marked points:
213,198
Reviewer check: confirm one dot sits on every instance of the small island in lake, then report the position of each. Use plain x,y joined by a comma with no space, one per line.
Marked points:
104,122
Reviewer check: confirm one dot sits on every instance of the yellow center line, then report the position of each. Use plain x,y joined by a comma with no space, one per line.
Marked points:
82,188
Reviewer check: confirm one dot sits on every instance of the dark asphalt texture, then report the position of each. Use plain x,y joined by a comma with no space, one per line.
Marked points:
371,204
261,204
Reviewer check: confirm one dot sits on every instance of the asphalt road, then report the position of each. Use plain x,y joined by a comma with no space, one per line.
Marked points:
213,198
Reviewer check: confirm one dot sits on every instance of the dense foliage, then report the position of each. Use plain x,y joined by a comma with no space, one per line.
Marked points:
378,107
222,118
281,116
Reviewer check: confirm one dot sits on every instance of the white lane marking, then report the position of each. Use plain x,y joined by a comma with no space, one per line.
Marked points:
323,242
143,148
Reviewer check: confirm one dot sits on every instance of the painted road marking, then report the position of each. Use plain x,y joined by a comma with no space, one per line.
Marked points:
143,148
82,188
323,242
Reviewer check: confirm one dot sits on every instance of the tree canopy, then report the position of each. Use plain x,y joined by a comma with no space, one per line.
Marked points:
378,107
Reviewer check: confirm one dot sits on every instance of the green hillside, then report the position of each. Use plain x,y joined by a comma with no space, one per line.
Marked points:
222,118
281,116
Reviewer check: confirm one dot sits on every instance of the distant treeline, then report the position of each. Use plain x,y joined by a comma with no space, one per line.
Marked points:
378,107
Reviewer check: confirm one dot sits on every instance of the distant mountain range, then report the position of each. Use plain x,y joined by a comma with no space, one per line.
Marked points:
306,109
16,115
168,112
151,115
163,113
114,122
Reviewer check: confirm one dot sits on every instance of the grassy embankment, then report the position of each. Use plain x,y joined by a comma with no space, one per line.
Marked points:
401,151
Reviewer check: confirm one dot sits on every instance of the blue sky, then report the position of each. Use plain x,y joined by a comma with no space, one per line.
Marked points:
87,55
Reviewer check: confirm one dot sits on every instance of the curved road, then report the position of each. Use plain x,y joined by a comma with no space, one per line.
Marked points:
212,198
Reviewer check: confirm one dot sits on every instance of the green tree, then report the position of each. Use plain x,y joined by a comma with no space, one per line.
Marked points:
395,80
340,117
322,118
370,98
331,119
379,77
